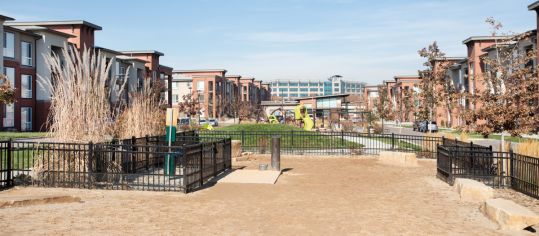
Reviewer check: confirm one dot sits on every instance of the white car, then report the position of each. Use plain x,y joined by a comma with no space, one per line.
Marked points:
213,122
433,127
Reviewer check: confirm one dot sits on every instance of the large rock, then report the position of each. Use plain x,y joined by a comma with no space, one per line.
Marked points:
236,148
404,159
508,214
473,191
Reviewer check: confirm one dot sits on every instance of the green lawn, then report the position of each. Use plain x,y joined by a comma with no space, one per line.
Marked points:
474,135
259,135
15,135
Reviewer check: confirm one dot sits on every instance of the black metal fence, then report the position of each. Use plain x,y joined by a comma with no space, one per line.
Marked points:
496,169
330,143
140,163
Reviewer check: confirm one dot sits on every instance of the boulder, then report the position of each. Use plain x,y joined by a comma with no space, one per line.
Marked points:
473,191
404,159
509,215
236,148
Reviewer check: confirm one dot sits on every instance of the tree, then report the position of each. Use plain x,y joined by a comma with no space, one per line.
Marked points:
7,93
189,105
244,110
383,106
510,101
407,104
436,88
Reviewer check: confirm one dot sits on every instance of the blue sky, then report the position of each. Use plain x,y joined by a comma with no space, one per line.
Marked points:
366,41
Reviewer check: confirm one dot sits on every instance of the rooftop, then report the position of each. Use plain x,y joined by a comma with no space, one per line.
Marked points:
41,29
62,22
325,96
128,58
2,17
143,52
533,6
483,38
199,70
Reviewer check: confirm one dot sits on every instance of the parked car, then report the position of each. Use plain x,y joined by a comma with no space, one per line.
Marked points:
203,122
213,122
415,126
423,126
433,127
185,121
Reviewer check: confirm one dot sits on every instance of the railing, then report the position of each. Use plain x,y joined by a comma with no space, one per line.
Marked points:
141,164
330,143
496,169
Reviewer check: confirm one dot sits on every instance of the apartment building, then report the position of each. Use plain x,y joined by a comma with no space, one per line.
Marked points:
155,71
290,89
19,65
370,97
208,86
405,92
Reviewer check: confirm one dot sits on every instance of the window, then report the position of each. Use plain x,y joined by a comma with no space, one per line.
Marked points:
200,86
175,98
26,118
26,54
9,45
201,98
26,86
293,89
303,84
9,116
293,84
304,89
10,73
175,85
283,90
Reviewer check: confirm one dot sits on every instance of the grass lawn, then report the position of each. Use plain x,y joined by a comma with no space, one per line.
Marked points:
496,137
259,135
15,135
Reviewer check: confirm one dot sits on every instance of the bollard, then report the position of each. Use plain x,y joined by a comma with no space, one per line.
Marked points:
276,153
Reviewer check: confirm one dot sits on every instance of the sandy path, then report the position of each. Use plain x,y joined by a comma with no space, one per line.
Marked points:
317,196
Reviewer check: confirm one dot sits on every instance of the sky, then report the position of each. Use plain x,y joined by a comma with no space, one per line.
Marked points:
362,40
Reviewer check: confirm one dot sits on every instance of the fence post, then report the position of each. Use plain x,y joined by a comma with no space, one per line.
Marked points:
276,153
443,140
201,165
392,141
90,161
512,163
133,154
214,159
9,164
147,152
242,140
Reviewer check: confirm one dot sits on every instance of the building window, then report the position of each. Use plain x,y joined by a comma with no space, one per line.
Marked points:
26,86
26,118
9,116
175,98
293,89
201,98
9,45
175,85
200,86
10,73
26,54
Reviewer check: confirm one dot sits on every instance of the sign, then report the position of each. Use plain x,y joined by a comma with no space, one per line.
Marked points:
172,116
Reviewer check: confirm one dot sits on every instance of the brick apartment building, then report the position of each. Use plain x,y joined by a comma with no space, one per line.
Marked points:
216,91
24,65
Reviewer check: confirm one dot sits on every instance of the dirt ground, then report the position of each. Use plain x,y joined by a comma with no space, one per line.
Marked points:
314,196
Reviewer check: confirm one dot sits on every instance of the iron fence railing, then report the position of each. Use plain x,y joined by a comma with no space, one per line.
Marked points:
140,164
330,143
496,169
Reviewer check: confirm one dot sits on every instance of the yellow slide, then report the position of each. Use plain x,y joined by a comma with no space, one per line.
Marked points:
299,115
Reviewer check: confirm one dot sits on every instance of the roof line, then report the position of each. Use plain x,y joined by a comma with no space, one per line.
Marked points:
60,22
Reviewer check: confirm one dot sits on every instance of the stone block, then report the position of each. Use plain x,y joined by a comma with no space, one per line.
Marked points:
509,215
473,191
236,148
403,159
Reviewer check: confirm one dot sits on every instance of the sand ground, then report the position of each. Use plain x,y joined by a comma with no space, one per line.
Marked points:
315,196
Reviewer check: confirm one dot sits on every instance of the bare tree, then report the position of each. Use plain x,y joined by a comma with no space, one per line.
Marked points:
510,101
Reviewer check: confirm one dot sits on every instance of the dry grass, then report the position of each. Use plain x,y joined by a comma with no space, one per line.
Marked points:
528,148
143,116
81,110
427,145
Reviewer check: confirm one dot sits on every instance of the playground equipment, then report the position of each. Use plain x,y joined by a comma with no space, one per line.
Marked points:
273,119
301,114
